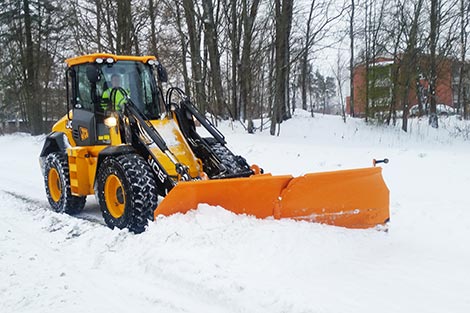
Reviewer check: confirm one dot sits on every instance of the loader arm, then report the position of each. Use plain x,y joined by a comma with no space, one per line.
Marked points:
143,137
219,162
148,129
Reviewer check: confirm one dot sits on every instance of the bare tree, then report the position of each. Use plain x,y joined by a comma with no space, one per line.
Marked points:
184,50
283,27
124,27
321,18
351,58
373,43
246,72
235,45
338,73
33,109
433,38
194,47
214,55
152,11
409,61
462,100
31,34
395,34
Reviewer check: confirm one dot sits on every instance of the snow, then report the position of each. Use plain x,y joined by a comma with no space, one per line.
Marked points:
210,260
167,131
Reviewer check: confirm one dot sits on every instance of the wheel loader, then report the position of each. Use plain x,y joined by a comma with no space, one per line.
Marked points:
144,154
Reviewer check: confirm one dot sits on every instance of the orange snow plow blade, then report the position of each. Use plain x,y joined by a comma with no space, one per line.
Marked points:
350,198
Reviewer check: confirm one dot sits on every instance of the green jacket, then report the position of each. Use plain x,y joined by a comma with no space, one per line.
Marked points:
120,99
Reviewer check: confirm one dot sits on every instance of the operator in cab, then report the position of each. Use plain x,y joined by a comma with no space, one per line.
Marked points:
116,98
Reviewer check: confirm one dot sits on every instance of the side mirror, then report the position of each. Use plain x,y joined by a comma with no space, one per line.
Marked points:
93,73
161,72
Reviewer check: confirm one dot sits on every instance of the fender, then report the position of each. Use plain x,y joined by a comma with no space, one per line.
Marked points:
114,151
54,142
162,179
110,151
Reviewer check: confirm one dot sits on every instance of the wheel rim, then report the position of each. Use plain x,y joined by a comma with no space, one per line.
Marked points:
114,196
54,184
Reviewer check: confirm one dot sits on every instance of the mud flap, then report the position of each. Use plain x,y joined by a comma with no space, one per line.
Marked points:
350,198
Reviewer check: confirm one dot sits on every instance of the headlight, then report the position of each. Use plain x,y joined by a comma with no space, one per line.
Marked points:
109,60
99,60
110,121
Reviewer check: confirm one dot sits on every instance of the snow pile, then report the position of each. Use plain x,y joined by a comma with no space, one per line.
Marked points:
211,260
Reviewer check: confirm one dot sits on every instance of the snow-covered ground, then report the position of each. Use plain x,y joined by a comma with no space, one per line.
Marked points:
211,260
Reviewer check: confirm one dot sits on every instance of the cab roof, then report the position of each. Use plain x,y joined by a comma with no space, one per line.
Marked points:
90,58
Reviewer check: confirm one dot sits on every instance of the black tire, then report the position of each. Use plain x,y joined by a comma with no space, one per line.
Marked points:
234,163
132,197
57,182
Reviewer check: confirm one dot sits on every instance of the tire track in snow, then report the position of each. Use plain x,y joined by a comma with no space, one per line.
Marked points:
92,218
46,268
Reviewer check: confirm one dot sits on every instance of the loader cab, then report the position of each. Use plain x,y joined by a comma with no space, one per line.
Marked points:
91,80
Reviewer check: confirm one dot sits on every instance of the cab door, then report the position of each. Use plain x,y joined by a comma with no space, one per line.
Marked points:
88,128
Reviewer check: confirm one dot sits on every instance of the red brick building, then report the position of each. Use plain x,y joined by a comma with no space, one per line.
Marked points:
380,87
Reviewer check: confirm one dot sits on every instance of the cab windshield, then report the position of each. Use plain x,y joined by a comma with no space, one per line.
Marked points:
135,78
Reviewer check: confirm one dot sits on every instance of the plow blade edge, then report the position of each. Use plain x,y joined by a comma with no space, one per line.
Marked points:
350,198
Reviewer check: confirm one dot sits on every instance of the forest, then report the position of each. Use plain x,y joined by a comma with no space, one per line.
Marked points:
243,60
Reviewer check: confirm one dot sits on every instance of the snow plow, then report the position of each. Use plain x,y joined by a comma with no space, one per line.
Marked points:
144,155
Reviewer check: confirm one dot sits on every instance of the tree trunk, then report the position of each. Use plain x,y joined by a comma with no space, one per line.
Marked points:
462,103
235,42
303,80
246,92
395,70
194,48
410,59
153,33
351,60
286,108
124,27
338,73
433,120
214,55
113,43
466,108
245,62
98,24
184,50
393,100
406,108
283,27
367,56
152,8
272,51
304,60
33,104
